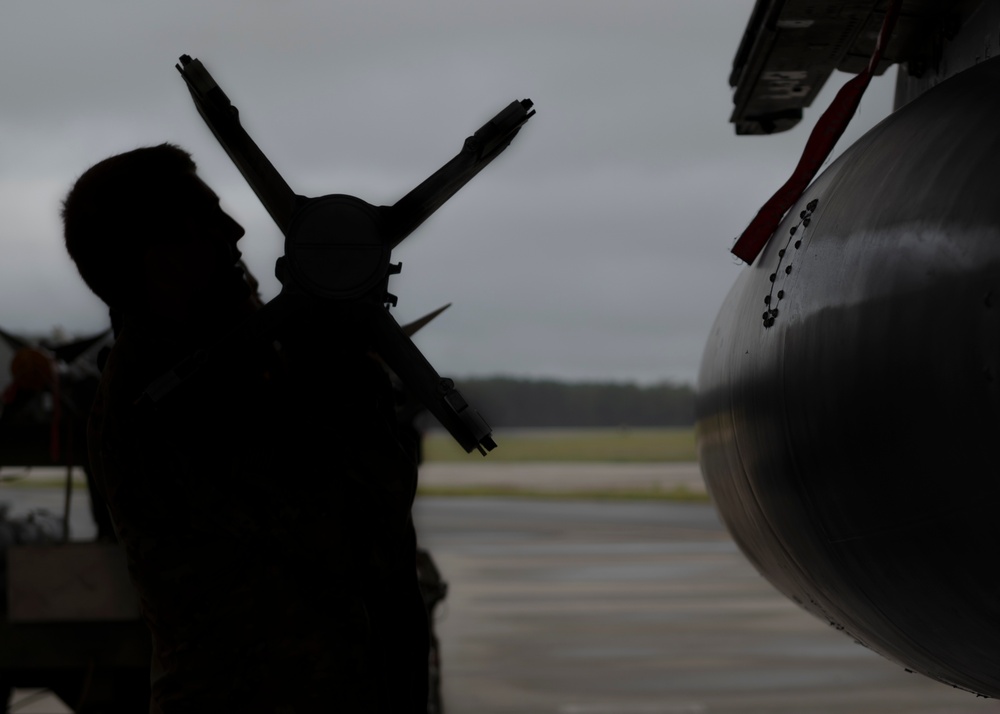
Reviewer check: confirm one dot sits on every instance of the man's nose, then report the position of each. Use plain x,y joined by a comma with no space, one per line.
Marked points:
232,230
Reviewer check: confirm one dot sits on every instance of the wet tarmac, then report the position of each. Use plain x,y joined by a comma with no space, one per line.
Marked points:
580,607
634,607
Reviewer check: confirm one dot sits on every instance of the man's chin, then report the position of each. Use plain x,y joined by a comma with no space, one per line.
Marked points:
226,301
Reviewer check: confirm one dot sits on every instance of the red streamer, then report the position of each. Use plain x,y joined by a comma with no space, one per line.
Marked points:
824,136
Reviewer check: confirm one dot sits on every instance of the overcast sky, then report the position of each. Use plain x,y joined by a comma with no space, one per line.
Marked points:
595,248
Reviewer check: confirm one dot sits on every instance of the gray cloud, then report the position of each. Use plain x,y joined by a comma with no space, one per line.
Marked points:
596,247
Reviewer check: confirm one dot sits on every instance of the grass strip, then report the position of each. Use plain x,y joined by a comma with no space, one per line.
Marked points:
679,494
622,445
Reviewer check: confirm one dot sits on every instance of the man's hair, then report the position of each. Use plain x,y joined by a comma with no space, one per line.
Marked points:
112,212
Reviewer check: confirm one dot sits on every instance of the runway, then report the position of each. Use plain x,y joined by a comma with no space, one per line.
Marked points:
582,607
563,606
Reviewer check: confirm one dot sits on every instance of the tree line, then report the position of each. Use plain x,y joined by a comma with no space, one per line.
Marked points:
515,402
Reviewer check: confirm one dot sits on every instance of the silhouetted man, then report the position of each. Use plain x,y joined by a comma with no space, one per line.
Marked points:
264,505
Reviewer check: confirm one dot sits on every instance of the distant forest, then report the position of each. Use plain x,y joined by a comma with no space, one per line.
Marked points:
510,402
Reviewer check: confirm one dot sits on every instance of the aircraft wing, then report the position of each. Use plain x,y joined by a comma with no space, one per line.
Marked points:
70,352
15,342
791,47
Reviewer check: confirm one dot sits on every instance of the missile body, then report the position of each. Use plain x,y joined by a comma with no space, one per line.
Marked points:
849,394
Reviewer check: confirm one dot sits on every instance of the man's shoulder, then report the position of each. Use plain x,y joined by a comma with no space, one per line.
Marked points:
136,359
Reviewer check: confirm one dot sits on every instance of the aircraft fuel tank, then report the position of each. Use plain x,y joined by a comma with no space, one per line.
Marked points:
849,394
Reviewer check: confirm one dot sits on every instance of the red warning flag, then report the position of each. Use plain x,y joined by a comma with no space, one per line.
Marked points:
821,142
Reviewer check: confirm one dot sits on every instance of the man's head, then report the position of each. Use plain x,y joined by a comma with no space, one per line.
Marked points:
145,231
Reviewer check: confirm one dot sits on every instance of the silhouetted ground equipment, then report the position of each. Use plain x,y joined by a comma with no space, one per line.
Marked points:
69,620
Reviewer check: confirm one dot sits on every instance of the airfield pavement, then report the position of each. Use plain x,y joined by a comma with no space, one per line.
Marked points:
590,606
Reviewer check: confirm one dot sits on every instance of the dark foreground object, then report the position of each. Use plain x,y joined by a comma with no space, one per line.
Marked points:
850,391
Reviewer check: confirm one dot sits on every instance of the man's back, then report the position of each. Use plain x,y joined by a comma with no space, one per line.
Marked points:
266,524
